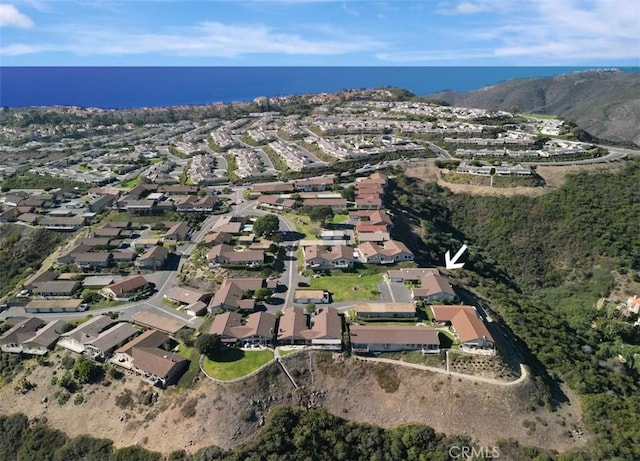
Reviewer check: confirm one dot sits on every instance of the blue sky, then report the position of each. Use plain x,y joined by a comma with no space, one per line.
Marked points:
320,32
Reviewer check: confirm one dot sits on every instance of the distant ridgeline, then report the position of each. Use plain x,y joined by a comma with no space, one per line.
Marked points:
604,102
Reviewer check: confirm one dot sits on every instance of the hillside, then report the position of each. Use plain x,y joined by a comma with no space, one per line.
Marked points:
605,104
539,265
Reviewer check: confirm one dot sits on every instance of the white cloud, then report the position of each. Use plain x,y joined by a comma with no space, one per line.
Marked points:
213,39
17,49
435,56
474,7
10,16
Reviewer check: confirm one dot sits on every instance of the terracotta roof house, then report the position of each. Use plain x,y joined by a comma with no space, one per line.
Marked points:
30,336
159,322
233,228
367,339
434,287
153,258
125,289
368,202
230,296
467,325
319,257
389,252
385,310
143,355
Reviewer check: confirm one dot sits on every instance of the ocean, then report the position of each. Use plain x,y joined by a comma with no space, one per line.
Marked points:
131,87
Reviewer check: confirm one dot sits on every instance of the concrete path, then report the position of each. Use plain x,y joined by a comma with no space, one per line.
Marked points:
524,373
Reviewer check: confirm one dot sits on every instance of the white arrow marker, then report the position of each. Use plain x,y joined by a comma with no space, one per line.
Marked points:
451,263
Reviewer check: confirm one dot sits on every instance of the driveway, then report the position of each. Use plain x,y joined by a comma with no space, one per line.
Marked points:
393,292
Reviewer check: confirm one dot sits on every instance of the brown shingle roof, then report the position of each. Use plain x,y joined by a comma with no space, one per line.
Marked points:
127,285
394,335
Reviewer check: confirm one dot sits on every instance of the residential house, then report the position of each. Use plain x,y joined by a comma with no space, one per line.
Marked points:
179,231
388,252
311,296
186,296
159,322
467,325
368,339
90,260
336,204
368,202
221,255
231,296
273,202
434,287
142,207
97,337
413,275
328,257
153,258
30,336
57,288
145,356
313,184
323,331
100,204
126,289
108,232
385,310
216,238
274,188
63,223
34,279
49,306
178,190
259,328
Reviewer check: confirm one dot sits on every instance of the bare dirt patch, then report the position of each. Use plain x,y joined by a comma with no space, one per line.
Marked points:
431,173
450,405
229,415
555,176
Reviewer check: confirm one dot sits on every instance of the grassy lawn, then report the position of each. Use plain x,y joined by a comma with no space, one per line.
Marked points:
540,116
235,363
193,371
303,225
130,184
284,352
340,218
184,351
347,287
447,339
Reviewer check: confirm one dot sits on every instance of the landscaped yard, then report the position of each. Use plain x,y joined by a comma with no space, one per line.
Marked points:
304,225
347,287
235,363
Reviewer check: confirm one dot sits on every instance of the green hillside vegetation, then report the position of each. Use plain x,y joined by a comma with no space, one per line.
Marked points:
543,262
606,104
289,435
22,250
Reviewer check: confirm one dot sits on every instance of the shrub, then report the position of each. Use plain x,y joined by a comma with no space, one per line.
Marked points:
68,362
78,399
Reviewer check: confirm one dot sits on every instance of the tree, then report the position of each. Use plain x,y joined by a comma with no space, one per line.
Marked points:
87,371
208,344
267,225
349,193
310,308
321,214
261,293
